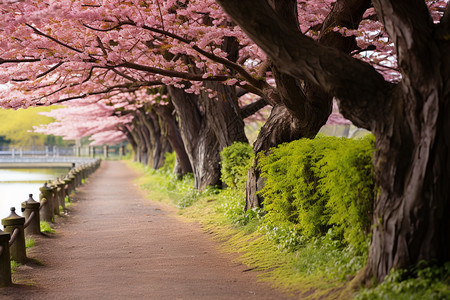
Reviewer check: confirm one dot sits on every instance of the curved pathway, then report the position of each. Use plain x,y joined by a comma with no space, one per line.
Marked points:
117,245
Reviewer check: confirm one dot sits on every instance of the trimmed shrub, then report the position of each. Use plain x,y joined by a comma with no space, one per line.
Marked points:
315,185
235,162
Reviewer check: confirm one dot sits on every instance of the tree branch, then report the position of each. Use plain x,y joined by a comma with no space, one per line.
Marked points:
252,108
23,60
169,73
230,64
335,72
127,88
410,26
42,74
38,32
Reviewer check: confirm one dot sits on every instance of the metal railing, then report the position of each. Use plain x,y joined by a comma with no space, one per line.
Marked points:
16,152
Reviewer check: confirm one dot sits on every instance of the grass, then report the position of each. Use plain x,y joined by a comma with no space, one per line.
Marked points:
421,283
29,242
221,214
317,269
45,227
14,265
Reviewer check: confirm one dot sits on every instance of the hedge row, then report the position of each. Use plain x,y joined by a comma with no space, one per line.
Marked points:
314,185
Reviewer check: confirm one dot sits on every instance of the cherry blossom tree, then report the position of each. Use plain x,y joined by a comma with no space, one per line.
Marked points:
84,119
408,114
145,119
385,65
121,45
109,48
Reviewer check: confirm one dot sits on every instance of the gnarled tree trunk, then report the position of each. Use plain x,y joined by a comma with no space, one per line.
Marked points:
410,119
138,137
303,107
207,126
200,141
223,114
412,169
132,141
169,128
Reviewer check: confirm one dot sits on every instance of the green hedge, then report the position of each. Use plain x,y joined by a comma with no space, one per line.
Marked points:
235,162
316,185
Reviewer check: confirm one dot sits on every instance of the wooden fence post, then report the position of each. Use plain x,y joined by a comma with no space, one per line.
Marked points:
47,203
30,209
11,223
5,264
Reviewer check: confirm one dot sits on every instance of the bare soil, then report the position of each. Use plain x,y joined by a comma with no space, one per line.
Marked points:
116,244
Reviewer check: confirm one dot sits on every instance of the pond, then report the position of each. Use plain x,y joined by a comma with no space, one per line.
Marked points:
16,184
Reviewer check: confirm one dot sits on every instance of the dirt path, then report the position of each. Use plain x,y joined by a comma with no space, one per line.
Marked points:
117,245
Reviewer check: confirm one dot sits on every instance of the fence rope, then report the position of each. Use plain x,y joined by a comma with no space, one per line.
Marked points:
25,225
14,236
43,203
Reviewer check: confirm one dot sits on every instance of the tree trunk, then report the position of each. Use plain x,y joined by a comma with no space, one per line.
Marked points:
132,142
223,114
208,125
280,127
166,147
174,137
146,137
200,141
156,153
300,114
140,143
412,170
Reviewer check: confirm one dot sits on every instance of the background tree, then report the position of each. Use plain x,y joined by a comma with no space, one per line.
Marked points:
110,48
17,125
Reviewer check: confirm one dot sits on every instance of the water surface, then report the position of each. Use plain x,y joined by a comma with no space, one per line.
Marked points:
16,184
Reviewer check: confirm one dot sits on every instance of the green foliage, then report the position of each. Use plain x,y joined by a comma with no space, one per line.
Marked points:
169,162
14,266
235,162
347,177
45,227
311,267
314,185
29,242
231,205
421,283
17,125
162,184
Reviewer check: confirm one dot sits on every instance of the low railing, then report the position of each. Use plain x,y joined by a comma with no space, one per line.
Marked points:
52,197
20,152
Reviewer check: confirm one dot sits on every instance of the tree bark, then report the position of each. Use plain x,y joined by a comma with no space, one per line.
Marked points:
132,142
174,137
410,120
207,126
412,170
136,132
307,105
201,143
223,114
150,121
146,135
412,161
